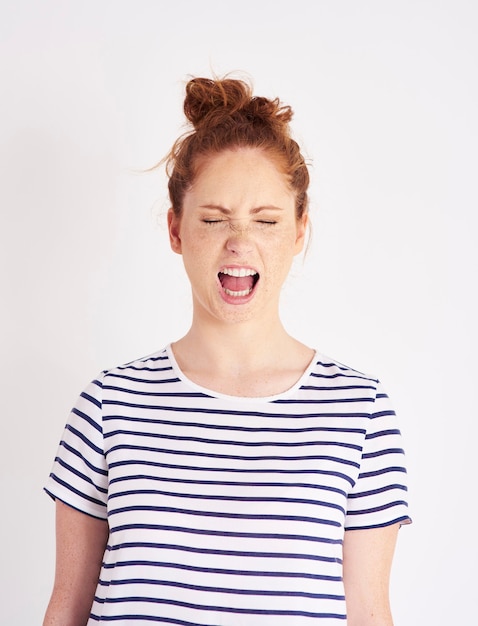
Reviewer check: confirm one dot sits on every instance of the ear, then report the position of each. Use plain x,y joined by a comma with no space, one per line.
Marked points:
302,226
174,224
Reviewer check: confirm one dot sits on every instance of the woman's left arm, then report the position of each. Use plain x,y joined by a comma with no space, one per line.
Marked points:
368,555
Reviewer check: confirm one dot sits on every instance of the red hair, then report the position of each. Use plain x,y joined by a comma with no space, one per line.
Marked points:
226,116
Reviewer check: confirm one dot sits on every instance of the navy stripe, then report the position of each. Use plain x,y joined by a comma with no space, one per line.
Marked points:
238,591
404,519
83,438
227,483
219,570
223,533
209,455
321,400
97,470
80,475
390,412
202,395
382,433
239,553
224,442
142,364
338,375
154,381
211,411
221,514
384,507
232,470
341,367
232,428
220,609
373,492
91,399
87,418
144,618
157,394
76,491
198,496
336,387
156,356
382,471
374,455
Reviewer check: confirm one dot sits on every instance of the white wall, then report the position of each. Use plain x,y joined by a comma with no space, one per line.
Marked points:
385,94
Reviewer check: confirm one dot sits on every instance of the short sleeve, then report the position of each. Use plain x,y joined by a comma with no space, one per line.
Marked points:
379,496
79,476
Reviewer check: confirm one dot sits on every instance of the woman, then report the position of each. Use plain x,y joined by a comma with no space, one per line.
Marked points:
236,476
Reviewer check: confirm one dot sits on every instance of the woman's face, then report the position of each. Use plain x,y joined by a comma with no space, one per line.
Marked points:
238,234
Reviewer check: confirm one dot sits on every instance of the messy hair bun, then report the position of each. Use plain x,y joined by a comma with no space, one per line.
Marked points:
225,115
208,101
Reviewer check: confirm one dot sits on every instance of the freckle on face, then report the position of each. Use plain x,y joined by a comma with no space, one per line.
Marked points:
237,184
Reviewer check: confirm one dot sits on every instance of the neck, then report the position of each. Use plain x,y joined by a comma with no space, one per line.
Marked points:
242,359
234,346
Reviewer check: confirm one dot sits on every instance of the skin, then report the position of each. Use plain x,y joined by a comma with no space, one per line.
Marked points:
368,558
227,221
239,213
80,545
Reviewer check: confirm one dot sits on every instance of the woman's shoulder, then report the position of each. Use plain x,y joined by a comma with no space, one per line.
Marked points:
154,361
328,367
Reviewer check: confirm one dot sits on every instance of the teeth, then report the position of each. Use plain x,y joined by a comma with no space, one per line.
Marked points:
238,294
238,272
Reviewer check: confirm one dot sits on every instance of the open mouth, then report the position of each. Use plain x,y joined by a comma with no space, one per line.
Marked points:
238,282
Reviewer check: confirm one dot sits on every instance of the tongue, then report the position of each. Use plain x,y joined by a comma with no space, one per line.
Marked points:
236,283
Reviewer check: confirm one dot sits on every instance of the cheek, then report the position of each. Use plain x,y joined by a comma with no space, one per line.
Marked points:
198,251
282,239
196,241
279,255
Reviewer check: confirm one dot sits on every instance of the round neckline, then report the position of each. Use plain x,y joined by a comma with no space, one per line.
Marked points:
216,394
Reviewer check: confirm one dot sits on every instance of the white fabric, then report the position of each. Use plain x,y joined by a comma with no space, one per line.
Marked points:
224,510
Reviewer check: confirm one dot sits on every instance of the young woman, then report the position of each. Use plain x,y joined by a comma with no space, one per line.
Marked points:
237,476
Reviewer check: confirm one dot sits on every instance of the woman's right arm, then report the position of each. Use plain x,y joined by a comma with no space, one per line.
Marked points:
80,545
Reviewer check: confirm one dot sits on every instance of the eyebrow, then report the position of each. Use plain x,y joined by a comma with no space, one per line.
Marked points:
221,209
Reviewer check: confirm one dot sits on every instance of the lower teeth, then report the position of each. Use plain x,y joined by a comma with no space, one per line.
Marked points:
238,294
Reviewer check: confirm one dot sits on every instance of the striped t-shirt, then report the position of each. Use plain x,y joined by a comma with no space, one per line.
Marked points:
226,510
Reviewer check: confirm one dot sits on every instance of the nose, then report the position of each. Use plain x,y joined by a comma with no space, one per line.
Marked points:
239,237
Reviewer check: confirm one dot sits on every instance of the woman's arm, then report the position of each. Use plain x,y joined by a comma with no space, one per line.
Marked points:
368,558
80,545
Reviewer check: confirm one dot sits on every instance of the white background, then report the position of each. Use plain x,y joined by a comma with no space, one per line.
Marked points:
386,101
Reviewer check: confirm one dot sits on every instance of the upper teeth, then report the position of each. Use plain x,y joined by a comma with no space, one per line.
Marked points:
239,272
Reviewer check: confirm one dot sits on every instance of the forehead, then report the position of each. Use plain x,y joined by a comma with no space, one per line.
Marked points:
245,174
